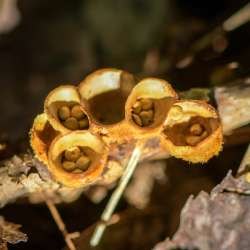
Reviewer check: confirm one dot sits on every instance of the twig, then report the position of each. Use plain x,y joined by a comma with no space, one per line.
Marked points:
61,225
9,15
233,105
108,211
238,19
244,165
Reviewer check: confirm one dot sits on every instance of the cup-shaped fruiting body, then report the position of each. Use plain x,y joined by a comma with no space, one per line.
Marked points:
65,110
148,105
41,136
192,131
106,92
77,159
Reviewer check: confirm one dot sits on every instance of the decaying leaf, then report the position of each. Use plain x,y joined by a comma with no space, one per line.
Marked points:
10,233
22,176
220,220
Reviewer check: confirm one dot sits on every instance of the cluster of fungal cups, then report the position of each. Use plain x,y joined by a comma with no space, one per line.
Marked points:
82,126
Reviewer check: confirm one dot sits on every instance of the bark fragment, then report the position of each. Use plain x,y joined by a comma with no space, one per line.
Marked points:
220,220
10,233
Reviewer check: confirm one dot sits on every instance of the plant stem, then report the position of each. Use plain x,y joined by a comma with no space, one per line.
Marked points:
115,197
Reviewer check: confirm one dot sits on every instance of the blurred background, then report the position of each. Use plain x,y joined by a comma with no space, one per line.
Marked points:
47,43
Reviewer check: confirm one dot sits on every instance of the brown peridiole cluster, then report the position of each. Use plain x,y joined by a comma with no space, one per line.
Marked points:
87,132
73,117
143,112
75,160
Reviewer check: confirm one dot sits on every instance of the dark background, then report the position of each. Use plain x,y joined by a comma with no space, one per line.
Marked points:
62,41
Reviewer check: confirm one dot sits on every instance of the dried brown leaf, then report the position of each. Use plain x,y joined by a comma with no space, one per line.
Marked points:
216,221
9,232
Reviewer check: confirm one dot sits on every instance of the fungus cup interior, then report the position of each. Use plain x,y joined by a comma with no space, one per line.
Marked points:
47,134
106,92
87,157
149,103
67,119
150,117
64,110
42,135
74,147
108,108
192,131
